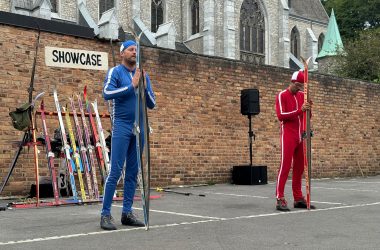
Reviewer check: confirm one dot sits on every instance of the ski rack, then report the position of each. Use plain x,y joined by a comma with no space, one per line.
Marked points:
33,203
67,201
51,202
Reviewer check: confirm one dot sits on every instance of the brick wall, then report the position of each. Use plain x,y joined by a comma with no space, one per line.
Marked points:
198,131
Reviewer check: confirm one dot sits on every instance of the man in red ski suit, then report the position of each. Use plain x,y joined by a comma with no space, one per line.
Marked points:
290,107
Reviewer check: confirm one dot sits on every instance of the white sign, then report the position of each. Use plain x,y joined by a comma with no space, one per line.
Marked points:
75,58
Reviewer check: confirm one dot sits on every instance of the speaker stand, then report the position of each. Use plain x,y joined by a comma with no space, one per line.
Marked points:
249,175
250,136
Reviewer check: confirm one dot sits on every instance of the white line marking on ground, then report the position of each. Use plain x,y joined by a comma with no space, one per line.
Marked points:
347,189
175,213
263,197
327,202
361,182
101,232
182,223
238,195
301,211
312,180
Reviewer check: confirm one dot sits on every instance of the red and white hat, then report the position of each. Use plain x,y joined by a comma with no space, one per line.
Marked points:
298,76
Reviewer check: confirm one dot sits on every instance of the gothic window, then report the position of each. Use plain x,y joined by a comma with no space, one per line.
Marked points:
54,4
289,3
157,14
321,38
194,5
252,28
295,42
105,5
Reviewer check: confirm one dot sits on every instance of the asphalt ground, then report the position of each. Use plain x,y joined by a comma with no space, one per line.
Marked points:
227,217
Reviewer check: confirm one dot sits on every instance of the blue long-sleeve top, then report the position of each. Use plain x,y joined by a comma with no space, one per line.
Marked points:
118,87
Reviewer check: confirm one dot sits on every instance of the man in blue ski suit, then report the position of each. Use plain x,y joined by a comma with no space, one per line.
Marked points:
119,86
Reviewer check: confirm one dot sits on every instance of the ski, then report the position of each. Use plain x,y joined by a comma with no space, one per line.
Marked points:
35,149
32,127
146,146
109,103
83,150
102,139
98,150
89,147
66,146
142,147
307,134
111,112
75,153
49,154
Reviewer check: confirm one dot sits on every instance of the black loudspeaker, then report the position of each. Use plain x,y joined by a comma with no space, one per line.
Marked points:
249,175
250,102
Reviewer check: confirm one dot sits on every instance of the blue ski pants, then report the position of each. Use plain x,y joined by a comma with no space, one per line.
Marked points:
123,149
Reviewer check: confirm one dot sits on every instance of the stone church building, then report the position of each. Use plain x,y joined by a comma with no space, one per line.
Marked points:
272,32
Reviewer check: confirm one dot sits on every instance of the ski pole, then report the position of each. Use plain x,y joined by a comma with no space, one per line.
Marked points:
177,192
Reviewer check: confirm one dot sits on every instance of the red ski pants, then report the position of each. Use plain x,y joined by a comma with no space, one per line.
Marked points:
291,152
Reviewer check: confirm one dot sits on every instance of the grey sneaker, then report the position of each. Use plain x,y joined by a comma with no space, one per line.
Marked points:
107,222
282,205
129,219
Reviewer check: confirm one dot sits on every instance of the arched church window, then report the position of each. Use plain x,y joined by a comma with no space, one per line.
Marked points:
157,14
105,5
194,5
54,7
252,31
321,38
295,42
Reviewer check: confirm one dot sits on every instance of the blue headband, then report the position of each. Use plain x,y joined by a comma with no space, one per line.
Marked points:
126,44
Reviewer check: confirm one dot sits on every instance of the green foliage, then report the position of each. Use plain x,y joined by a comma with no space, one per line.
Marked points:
361,58
354,16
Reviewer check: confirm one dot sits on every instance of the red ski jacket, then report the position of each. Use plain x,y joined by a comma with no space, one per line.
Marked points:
289,113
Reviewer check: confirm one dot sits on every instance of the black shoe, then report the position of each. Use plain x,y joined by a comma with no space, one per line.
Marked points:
107,222
302,204
129,219
282,205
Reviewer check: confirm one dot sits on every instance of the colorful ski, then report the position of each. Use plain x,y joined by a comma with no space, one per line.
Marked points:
98,150
89,147
66,146
111,111
102,139
307,134
83,150
75,152
49,154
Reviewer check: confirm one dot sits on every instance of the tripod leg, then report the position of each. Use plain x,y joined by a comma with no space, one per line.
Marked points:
13,164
